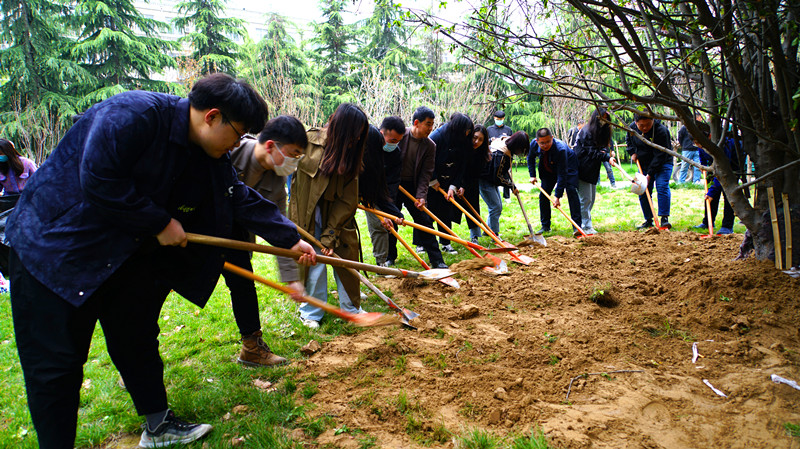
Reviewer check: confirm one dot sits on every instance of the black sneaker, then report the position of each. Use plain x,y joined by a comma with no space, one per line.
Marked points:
474,240
665,223
449,249
700,226
645,225
439,265
542,230
173,431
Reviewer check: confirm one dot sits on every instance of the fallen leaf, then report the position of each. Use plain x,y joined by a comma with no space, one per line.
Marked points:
264,385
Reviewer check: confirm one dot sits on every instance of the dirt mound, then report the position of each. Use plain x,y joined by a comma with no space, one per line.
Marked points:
501,352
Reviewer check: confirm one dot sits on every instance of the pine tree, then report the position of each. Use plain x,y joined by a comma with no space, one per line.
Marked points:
332,43
119,47
387,39
213,49
31,55
34,75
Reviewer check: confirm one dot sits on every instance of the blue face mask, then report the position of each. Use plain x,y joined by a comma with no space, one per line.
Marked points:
499,123
3,158
389,147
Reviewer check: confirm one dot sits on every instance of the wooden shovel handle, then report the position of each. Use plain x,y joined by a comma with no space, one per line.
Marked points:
280,287
656,220
247,246
435,218
422,228
560,209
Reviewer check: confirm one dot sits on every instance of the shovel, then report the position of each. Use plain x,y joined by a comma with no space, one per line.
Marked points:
552,200
405,314
359,319
534,238
708,210
447,281
656,220
499,264
438,233
429,275
516,257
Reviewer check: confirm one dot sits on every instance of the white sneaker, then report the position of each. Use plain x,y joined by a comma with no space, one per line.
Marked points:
173,431
363,296
311,324
449,249
420,249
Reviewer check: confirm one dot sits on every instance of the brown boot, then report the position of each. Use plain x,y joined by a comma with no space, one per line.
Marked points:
255,352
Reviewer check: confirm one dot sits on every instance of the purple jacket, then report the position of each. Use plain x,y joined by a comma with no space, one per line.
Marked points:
12,183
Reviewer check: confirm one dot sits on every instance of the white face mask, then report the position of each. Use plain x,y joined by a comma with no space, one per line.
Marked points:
287,167
389,147
499,123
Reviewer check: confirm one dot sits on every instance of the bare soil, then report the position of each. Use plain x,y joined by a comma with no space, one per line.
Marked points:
611,321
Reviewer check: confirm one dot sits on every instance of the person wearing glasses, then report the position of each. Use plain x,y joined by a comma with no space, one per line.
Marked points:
99,234
263,164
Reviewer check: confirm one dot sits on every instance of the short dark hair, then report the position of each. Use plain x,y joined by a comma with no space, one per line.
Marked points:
394,123
499,114
518,143
641,116
284,129
235,98
543,132
423,113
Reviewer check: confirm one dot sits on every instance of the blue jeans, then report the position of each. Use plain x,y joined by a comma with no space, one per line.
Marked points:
491,196
661,183
695,157
317,286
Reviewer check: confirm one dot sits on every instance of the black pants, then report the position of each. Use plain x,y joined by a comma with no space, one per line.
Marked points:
428,241
548,184
471,194
53,339
244,299
727,211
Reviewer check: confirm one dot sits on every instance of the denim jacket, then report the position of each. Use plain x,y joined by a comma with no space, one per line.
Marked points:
108,188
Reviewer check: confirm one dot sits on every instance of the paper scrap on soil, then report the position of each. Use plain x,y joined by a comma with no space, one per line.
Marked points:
705,381
782,380
694,352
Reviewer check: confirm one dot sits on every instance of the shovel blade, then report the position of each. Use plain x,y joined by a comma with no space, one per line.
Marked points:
505,249
450,282
374,319
434,274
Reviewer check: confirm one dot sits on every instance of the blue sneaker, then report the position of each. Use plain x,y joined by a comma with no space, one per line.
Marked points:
725,231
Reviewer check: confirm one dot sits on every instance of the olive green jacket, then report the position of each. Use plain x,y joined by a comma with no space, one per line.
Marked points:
337,198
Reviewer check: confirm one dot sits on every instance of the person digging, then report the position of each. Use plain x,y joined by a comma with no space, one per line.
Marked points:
263,164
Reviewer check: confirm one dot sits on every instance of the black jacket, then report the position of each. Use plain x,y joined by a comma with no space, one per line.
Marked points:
651,159
590,156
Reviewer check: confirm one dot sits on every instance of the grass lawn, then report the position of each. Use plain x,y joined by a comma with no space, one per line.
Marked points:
199,346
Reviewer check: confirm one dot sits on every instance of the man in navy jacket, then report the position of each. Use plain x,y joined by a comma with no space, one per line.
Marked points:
99,234
656,165
558,168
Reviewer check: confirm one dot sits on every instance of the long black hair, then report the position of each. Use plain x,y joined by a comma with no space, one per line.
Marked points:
459,131
518,143
600,132
346,139
482,153
372,181
13,162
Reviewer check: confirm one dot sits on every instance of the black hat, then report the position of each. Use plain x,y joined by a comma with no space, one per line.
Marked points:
499,114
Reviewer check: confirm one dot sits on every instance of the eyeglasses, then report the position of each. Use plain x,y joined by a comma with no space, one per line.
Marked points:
294,154
230,123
